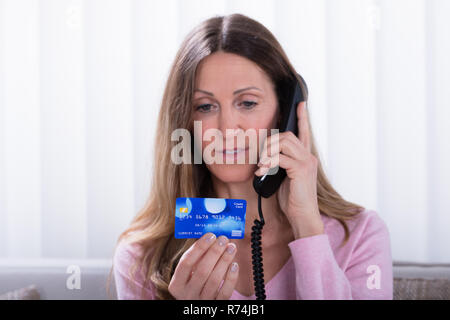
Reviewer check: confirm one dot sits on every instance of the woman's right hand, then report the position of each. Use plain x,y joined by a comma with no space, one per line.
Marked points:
202,268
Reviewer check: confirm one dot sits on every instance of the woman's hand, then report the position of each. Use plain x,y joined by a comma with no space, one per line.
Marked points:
202,268
297,194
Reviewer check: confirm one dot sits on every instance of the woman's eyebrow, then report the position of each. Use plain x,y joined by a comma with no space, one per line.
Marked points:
236,92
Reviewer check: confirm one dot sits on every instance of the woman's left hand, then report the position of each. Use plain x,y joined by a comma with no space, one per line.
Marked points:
297,194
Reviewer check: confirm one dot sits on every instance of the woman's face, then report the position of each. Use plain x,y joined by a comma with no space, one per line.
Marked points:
232,92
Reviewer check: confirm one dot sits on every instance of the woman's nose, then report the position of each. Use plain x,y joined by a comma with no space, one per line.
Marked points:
230,128
228,120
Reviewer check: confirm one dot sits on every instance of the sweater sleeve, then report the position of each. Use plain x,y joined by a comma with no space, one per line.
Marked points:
127,287
368,271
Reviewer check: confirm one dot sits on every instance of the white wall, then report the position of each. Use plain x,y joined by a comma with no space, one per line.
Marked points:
81,83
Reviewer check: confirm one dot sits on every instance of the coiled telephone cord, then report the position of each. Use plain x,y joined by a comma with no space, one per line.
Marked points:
257,260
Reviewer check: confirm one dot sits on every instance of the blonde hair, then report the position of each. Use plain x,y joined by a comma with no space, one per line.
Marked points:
153,226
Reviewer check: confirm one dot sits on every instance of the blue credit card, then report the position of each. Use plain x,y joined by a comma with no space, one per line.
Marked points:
196,216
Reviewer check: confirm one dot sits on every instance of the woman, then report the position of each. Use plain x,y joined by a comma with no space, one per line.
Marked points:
316,245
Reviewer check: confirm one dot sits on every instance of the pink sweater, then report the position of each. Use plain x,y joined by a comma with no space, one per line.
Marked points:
317,269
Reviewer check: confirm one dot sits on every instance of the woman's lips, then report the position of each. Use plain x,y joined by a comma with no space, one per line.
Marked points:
233,153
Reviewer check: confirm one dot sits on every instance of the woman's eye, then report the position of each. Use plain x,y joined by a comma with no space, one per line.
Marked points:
204,107
249,104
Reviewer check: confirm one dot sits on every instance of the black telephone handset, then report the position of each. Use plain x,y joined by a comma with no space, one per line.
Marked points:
266,185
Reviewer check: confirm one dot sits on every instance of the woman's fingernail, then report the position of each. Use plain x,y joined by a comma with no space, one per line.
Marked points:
234,267
222,241
231,247
263,170
262,162
210,238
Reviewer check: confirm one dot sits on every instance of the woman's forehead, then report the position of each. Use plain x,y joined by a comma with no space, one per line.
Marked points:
229,69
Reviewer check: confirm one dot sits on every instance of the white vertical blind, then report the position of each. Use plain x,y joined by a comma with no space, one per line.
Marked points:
109,121
63,121
81,84
438,131
2,139
351,104
402,155
21,126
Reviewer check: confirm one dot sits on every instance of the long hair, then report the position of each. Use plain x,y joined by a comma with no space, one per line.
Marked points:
152,229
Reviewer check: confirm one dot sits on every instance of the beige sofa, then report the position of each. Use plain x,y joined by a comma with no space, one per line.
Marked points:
419,281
